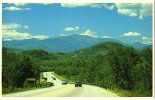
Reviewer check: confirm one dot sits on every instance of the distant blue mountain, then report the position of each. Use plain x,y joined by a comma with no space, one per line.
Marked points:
59,44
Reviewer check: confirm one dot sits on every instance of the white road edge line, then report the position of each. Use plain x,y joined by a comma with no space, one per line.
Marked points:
83,93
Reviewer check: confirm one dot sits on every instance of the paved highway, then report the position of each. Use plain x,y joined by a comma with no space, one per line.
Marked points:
64,90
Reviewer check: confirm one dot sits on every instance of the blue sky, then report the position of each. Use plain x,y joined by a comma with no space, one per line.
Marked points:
125,22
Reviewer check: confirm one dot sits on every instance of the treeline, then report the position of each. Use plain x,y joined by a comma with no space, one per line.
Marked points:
131,69
17,66
15,69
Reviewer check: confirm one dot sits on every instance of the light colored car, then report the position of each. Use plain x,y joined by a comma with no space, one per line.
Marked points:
71,82
64,82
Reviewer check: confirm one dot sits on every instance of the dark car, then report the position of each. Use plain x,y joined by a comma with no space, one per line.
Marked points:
64,82
54,78
78,84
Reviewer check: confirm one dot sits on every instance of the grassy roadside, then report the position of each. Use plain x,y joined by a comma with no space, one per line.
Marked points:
62,77
15,90
119,92
59,76
126,93
41,78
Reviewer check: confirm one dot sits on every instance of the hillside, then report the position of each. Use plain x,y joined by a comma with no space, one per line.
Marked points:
100,48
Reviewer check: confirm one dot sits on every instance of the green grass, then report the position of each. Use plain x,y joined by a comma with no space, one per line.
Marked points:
41,75
42,81
127,93
15,90
59,76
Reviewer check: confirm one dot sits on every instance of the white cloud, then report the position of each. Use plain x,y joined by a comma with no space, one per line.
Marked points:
93,34
127,12
14,26
93,5
146,40
46,3
9,32
139,10
10,26
72,28
14,35
72,5
23,4
110,7
89,33
131,34
14,8
19,4
40,37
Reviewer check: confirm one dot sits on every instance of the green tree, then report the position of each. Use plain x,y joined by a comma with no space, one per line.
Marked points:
142,72
122,60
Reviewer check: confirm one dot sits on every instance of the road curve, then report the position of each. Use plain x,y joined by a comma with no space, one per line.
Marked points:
65,91
59,90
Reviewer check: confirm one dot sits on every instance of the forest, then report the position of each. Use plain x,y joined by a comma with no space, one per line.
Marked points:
109,65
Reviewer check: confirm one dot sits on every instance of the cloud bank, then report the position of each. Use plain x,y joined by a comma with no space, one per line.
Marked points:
9,32
139,10
16,7
90,33
133,34
13,8
93,5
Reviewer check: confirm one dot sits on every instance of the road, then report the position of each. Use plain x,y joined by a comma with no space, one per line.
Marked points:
49,76
64,91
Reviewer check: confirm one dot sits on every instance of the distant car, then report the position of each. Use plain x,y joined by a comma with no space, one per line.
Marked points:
64,82
44,78
54,78
78,84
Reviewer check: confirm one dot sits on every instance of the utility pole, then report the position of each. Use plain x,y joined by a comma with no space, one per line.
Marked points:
38,77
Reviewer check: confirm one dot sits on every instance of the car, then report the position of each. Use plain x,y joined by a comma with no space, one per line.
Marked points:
45,78
54,78
78,84
64,82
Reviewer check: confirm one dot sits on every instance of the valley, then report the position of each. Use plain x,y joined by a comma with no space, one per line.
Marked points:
109,65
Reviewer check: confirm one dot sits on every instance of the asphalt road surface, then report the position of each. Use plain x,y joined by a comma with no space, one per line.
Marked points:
60,90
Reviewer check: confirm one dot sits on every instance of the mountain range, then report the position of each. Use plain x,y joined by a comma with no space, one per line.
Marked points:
64,43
